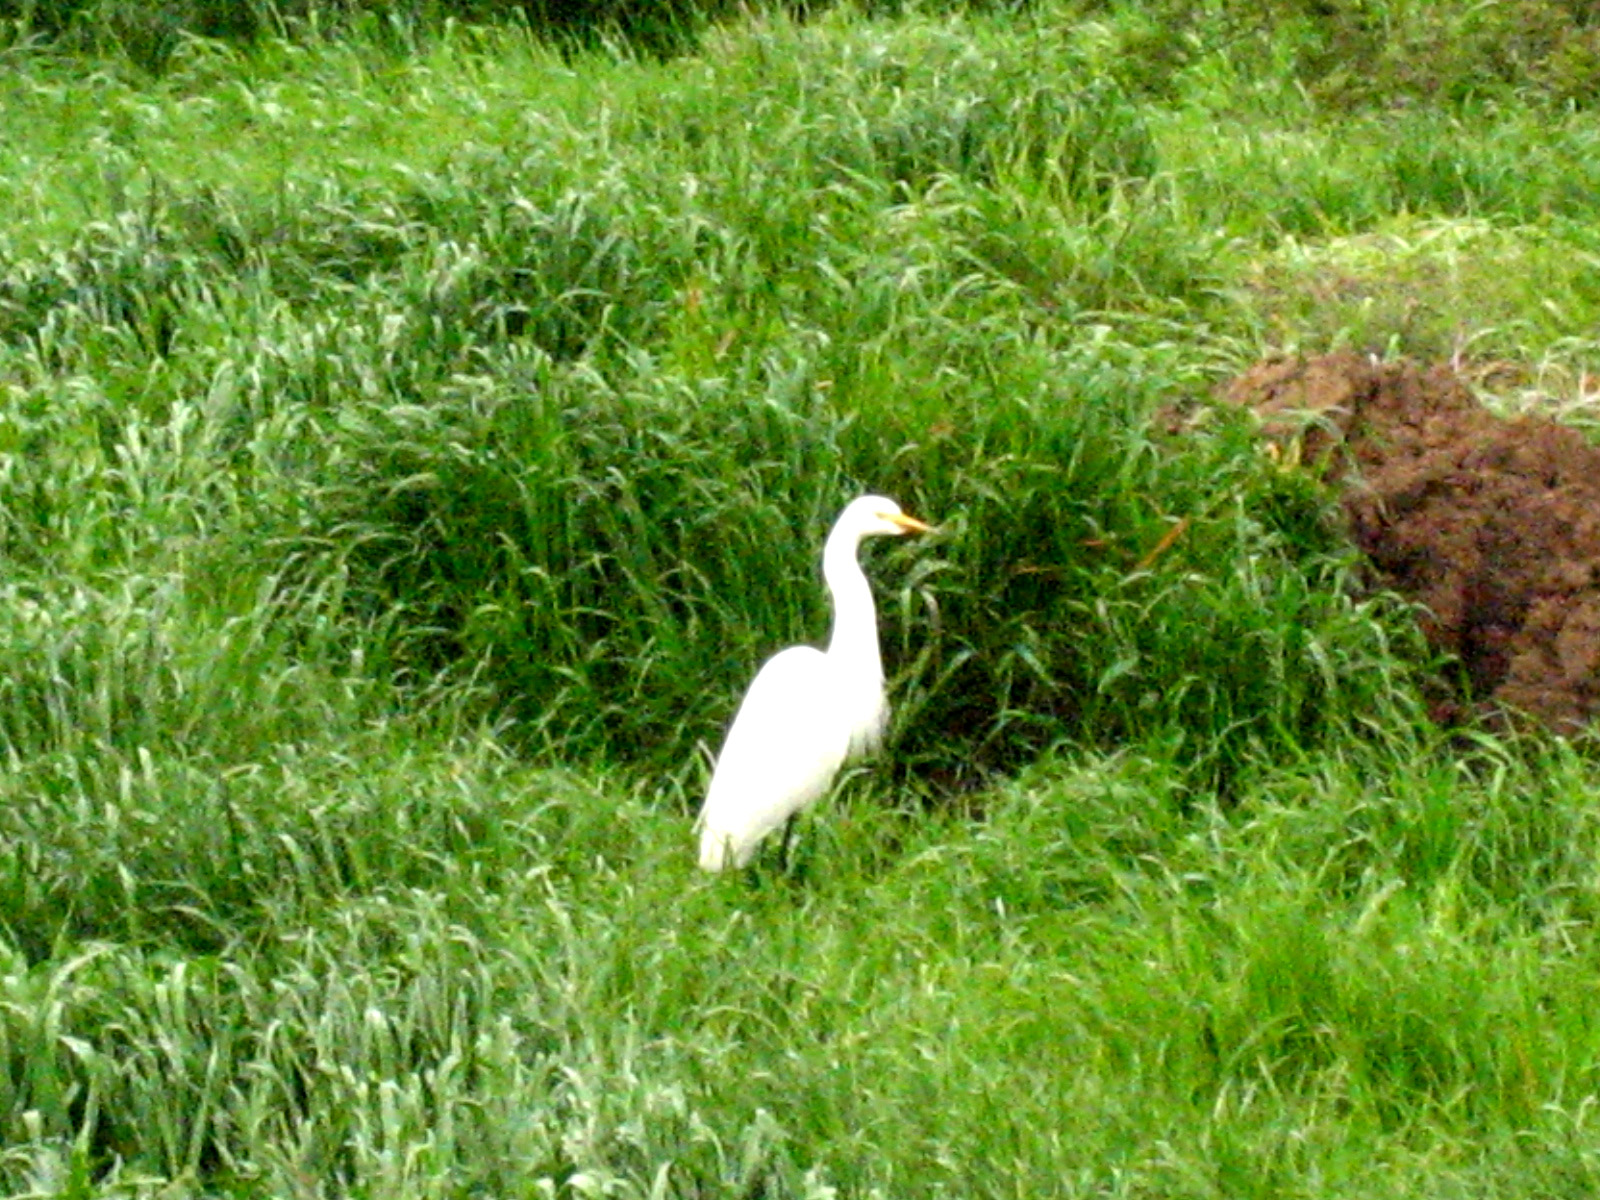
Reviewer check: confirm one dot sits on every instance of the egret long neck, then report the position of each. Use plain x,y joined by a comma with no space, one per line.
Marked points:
855,621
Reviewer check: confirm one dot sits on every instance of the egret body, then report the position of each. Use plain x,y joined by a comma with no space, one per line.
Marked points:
807,711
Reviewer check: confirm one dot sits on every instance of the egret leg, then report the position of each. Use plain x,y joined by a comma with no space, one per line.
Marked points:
788,839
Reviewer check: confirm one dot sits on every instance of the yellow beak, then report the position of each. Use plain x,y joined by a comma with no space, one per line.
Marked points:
909,524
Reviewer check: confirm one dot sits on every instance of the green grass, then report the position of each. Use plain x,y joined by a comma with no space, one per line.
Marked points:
418,973
408,453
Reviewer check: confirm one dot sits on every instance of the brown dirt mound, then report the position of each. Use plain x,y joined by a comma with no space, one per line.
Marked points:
1492,524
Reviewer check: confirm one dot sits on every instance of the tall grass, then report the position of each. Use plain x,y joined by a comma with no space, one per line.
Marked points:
549,426
408,453
1100,989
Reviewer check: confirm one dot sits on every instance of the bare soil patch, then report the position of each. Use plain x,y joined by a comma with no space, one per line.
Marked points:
1492,524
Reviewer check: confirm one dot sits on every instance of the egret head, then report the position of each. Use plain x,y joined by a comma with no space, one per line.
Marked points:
873,516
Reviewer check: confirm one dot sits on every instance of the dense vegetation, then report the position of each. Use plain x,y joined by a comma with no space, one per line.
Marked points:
412,439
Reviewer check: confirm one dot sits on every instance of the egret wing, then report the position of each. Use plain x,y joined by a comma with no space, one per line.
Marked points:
783,749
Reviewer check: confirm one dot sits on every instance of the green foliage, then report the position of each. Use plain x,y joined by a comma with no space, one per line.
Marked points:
390,422
440,971
151,34
1350,55
1412,53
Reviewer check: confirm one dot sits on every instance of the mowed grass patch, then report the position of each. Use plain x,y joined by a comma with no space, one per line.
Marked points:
1532,290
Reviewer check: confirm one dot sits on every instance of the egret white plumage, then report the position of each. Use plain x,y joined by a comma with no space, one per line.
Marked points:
807,711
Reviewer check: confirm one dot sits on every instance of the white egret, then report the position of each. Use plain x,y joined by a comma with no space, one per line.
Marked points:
808,711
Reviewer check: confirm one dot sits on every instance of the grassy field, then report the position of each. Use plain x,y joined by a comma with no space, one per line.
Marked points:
408,452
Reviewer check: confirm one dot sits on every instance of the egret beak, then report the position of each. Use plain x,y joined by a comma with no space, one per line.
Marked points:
909,524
